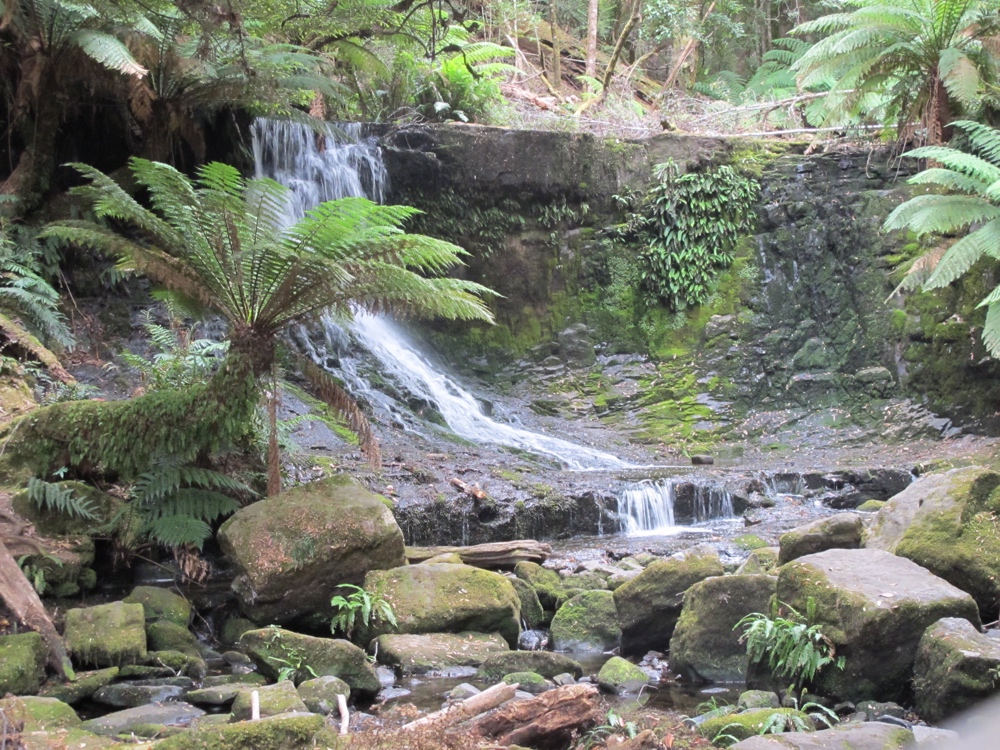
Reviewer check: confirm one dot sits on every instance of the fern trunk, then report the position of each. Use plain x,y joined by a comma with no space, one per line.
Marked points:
31,177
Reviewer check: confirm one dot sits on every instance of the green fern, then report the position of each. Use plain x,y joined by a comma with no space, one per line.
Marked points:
60,499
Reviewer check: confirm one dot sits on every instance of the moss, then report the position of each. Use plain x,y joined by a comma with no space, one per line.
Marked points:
320,694
165,635
78,739
871,506
107,635
186,662
532,614
50,522
41,714
546,663
750,723
763,560
233,628
587,622
160,603
22,663
273,733
274,699
621,676
529,682
85,685
749,542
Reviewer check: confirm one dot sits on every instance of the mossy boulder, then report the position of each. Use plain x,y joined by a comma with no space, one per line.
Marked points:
705,647
161,604
221,695
619,675
274,648
186,662
587,622
173,713
839,531
85,685
545,663
420,654
320,694
548,585
233,628
956,667
52,523
279,698
871,506
294,549
445,598
750,723
529,682
761,561
869,735
650,604
757,699
948,523
874,607
532,614
77,739
22,663
749,542
287,732
40,714
165,635
106,635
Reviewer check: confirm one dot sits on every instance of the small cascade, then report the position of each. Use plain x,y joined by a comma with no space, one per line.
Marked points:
666,506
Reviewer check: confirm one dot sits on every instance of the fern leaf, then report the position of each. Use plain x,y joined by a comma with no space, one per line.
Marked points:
60,499
108,51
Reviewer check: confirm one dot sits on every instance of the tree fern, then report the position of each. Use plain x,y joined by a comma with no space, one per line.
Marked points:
61,499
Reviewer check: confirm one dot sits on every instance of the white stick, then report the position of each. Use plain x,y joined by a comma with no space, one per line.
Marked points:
477,704
345,717
254,706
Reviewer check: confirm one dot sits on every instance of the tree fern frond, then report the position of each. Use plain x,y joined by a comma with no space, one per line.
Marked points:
179,531
963,254
61,499
108,51
960,76
991,330
941,213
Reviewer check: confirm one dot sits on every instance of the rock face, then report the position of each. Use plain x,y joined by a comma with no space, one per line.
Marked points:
955,669
419,654
650,604
948,524
874,607
705,647
446,598
841,531
587,622
293,550
22,663
106,635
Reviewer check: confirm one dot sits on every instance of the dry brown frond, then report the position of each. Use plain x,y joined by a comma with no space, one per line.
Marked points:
340,401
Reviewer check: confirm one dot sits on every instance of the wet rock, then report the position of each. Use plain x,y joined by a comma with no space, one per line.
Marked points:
123,722
22,663
545,663
533,640
874,607
702,460
463,691
274,699
386,676
841,531
392,694
274,648
749,723
705,646
420,654
161,604
129,695
867,736
445,598
286,731
292,550
621,676
588,622
761,561
39,714
564,679
649,605
106,635
529,682
218,680
946,523
956,668
320,694
750,699
85,685
189,664
576,345
219,695
532,614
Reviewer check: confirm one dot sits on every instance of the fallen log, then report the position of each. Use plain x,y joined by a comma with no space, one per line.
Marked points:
548,721
472,490
492,556
467,709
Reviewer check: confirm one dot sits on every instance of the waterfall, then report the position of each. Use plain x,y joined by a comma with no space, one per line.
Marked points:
340,164
657,506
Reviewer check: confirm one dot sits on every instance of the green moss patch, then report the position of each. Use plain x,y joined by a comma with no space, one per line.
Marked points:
273,733
22,663
106,635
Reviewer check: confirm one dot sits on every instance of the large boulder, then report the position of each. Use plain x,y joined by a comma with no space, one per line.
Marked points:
545,663
619,675
279,698
839,531
649,605
283,732
161,604
106,635
748,723
445,598
587,622
956,667
294,549
420,654
274,649
172,713
22,663
532,614
869,735
705,647
948,524
874,607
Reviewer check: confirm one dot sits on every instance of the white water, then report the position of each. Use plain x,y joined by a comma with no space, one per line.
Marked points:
325,169
648,508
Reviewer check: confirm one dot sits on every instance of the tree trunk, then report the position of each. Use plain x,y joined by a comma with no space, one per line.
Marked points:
32,176
556,51
593,14
273,450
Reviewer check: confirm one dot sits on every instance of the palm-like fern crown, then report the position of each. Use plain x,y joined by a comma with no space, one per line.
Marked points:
900,49
223,242
973,179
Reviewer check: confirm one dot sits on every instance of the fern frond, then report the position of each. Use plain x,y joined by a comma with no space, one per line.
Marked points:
60,499
179,531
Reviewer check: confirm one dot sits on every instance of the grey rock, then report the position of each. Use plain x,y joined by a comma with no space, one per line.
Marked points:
175,713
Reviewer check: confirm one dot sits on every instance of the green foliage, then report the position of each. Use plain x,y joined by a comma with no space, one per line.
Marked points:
360,606
614,724
178,360
791,648
971,205
464,85
687,226
34,569
60,499
292,659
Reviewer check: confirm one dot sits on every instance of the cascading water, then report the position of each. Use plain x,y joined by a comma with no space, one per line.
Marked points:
653,506
325,168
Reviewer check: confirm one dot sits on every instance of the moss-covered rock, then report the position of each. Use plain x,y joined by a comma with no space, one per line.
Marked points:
420,654
948,523
750,723
760,562
757,699
40,714
649,605
165,635
320,694
106,635
77,739
532,614
619,675
49,522
587,622
85,685
529,682
131,694
233,628
871,506
956,667
272,649
290,732
874,607
294,549
446,598
749,542
548,585
840,531
161,604
545,663
220,695
705,647
22,663
280,698
869,735
186,662
173,713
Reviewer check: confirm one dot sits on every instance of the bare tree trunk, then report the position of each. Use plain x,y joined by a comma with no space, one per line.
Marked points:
556,50
593,14
634,21
21,597
273,450
689,48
